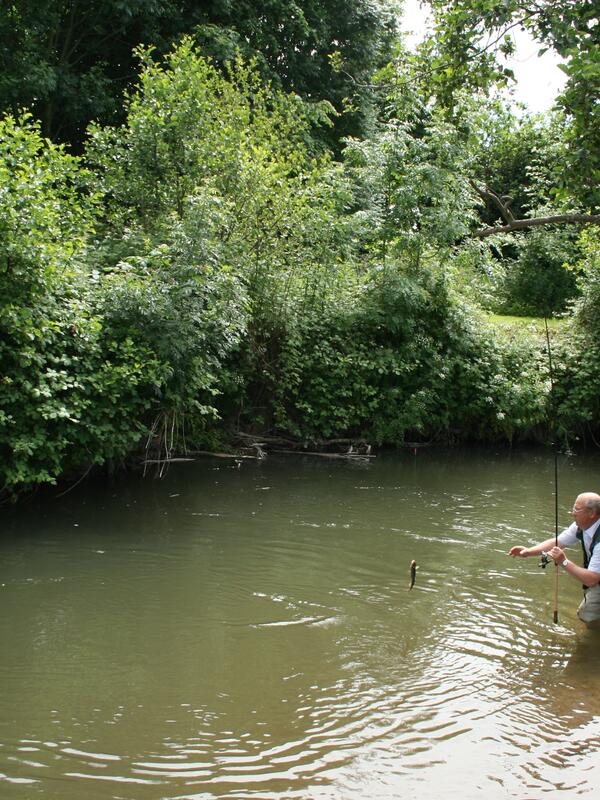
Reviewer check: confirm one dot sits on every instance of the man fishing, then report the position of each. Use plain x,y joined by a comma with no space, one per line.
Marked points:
586,529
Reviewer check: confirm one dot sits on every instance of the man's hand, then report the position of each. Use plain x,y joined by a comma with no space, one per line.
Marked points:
557,555
519,550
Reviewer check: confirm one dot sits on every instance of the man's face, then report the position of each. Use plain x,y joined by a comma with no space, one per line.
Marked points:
584,517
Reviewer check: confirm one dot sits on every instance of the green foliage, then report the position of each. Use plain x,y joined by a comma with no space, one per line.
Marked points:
411,187
72,62
406,361
519,158
219,165
587,268
577,382
190,126
537,282
220,226
326,50
68,389
44,216
187,314
72,400
461,54
577,350
210,267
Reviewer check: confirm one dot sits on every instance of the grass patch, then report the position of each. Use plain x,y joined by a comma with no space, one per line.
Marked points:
532,328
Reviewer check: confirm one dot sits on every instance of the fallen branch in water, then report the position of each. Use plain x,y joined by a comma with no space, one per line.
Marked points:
223,455
355,446
263,438
255,449
351,456
165,460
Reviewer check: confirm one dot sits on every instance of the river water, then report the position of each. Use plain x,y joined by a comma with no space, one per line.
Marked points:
246,631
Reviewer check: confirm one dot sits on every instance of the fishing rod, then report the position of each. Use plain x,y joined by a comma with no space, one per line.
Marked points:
555,448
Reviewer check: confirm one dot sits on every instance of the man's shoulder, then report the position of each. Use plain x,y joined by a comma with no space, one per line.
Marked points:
572,529
594,528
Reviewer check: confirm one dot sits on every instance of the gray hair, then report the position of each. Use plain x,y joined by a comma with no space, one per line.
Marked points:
593,504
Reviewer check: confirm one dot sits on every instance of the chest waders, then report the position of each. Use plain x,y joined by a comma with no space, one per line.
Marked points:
593,543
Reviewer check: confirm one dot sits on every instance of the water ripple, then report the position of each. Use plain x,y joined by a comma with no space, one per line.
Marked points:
252,636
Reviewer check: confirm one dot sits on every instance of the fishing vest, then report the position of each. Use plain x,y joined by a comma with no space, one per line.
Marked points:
594,542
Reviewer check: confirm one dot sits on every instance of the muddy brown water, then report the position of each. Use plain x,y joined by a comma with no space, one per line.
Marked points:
246,631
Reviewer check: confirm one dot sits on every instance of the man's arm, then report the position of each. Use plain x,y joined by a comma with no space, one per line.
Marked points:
523,552
585,576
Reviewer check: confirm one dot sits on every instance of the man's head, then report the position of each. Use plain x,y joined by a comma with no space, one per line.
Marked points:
586,509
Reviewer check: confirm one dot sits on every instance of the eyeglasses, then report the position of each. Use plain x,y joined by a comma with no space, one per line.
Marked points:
576,510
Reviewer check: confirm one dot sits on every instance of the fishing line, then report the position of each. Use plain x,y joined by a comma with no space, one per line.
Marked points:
552,423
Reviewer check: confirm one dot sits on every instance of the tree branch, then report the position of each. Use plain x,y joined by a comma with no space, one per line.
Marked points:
534,222
508,25
501,203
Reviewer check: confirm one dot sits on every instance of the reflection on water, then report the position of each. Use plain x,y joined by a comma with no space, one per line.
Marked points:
248,633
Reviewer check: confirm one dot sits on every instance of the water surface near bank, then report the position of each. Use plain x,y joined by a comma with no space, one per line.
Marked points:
246,631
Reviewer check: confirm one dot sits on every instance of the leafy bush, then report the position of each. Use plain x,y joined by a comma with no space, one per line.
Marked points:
205,269
537,283
219,223
70,393
406,360
577,376
411,192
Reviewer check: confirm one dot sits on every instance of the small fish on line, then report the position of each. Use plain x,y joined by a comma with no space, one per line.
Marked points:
413,574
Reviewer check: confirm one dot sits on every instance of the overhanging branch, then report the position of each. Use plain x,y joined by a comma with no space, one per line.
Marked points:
501,203
535,222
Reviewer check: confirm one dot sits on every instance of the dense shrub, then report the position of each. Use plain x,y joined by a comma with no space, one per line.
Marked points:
219,225
536,282
406,360
71,394
205,270
578,354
